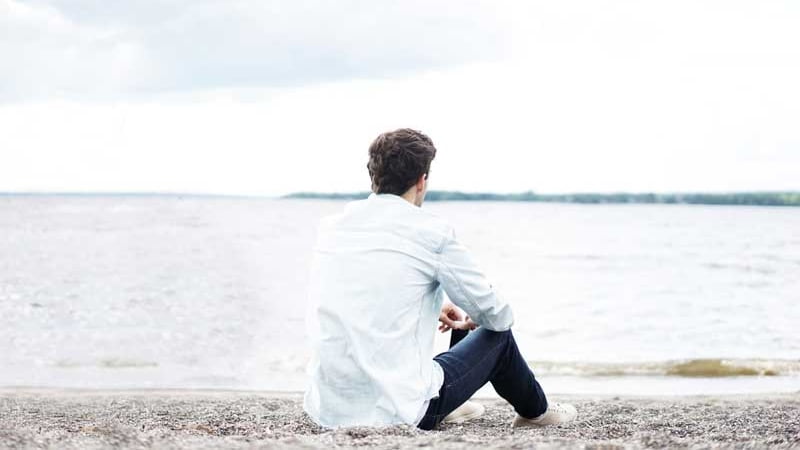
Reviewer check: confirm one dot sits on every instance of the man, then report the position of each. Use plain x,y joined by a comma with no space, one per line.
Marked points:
378,277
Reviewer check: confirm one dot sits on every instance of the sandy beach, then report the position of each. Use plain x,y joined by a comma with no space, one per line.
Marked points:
41,418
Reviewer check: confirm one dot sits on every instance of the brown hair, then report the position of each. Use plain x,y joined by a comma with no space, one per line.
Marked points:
397,159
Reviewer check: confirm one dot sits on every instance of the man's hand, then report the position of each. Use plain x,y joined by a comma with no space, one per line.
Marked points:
452,317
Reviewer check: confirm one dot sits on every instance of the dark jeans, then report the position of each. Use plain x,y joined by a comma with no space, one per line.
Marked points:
480,357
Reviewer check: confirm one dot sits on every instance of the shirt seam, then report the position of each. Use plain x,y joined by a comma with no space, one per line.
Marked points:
439,257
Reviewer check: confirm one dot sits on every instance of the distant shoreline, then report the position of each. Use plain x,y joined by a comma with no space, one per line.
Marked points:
765,198
788,198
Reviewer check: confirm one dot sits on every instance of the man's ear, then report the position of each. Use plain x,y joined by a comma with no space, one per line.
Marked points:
421,182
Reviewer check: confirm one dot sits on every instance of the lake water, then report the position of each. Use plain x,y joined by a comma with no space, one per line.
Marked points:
205,292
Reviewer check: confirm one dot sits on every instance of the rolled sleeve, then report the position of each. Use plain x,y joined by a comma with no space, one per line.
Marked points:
467,286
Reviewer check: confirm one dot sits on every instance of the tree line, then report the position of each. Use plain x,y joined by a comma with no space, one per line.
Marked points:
735,198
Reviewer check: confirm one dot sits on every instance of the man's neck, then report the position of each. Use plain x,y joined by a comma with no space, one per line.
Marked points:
410,197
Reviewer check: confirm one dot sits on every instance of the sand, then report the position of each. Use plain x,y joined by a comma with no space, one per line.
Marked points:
225,419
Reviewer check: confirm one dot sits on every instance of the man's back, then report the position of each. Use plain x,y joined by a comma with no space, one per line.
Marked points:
374,300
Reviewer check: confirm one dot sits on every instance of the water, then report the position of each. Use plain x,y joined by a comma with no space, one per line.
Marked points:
203,292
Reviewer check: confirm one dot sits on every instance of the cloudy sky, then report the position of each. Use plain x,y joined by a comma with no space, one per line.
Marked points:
270,97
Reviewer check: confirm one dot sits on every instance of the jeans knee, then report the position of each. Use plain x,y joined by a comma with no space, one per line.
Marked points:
506,334
503,335
507,338
507,331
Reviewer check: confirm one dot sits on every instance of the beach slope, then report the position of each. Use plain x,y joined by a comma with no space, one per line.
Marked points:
224,419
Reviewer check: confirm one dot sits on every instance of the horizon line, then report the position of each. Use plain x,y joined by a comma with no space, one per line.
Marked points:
367,192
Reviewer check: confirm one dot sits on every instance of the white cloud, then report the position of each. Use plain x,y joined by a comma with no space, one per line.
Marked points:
587,96
98,49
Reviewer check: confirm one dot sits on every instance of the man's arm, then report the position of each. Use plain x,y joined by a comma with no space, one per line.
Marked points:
468,288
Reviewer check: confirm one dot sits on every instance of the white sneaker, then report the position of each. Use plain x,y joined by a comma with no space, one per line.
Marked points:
467,411
556,413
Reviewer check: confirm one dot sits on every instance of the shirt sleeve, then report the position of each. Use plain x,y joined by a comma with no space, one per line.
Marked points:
467,287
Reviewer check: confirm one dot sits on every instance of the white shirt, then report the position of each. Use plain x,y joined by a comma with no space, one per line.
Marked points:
378,275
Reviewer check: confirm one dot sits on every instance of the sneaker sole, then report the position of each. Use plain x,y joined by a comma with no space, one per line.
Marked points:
526,423
466,417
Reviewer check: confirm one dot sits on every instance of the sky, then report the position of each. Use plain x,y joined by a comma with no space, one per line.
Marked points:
271,97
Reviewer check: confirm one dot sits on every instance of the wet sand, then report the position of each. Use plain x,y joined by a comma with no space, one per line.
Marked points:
41,418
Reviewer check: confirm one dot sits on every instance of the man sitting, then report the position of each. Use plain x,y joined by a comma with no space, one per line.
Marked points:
378,276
